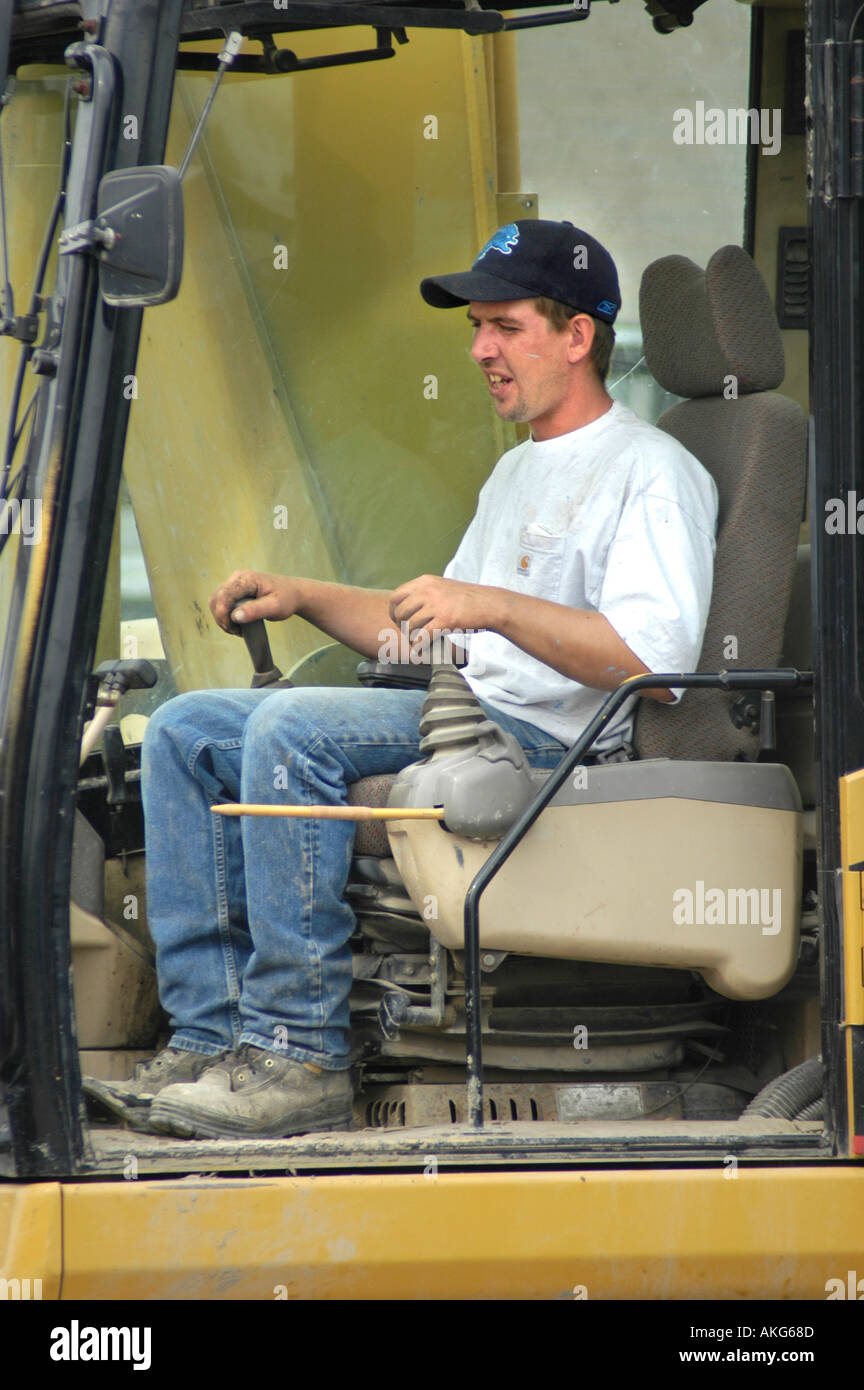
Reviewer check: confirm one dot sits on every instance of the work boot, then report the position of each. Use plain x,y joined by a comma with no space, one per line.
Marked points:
170,1066
253,1093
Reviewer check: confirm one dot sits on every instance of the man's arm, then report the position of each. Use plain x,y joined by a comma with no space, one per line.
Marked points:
580,644
348,614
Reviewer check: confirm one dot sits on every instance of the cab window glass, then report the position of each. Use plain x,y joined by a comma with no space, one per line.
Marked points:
603,130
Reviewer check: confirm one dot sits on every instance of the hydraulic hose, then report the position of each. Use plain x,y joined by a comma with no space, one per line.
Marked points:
814,1111
788,1095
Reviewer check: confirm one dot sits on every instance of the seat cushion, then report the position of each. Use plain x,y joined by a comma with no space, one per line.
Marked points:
755,449
701,326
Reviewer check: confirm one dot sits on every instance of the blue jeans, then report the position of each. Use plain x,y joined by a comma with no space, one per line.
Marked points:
247,913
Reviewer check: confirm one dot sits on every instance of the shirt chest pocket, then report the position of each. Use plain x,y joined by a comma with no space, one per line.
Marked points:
539,563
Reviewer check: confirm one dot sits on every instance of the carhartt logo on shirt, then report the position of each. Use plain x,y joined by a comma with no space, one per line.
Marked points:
524,565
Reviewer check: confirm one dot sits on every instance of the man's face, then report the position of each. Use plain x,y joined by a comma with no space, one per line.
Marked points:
528,365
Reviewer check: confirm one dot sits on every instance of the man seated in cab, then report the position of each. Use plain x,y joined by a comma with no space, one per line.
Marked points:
589,560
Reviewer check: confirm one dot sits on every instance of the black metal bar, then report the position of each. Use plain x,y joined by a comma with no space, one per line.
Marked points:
542,21
754,87
42,33
54,618
6,8
725,680
37,1054
837,471
211,21
256,21
289,62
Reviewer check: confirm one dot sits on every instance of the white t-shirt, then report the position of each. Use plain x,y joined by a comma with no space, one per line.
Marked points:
617,518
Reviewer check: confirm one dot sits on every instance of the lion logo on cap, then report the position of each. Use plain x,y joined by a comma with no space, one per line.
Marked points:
504,240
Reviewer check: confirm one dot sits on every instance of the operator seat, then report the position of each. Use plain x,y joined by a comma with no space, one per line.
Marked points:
712,336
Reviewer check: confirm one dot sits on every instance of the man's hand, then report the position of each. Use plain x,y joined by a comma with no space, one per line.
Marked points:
276,597
433,604
580,644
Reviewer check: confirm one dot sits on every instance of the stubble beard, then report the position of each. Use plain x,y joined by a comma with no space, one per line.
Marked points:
518,412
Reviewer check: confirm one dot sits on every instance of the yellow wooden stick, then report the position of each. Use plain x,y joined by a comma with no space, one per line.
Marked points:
333,812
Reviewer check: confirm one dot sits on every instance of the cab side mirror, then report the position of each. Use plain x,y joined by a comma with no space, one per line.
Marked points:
139,228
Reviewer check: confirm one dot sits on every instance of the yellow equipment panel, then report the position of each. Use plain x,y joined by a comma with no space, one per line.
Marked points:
719,1234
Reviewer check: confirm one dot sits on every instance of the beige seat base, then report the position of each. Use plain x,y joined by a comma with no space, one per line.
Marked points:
652,864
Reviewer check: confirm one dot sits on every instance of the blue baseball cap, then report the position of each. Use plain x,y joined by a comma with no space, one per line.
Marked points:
530,259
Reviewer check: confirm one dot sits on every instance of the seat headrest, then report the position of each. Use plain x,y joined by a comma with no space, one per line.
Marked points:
700,327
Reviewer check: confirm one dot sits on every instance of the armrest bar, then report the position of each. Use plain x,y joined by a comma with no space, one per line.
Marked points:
403,675
393,674
724,680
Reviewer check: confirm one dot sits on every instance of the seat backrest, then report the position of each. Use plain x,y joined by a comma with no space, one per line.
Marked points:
712,336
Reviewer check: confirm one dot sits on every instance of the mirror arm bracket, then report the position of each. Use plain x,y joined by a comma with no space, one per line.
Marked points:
87,236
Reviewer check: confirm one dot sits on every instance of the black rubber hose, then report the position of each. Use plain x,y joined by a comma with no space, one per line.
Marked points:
786,1096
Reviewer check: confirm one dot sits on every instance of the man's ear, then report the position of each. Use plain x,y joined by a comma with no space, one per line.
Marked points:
581,337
